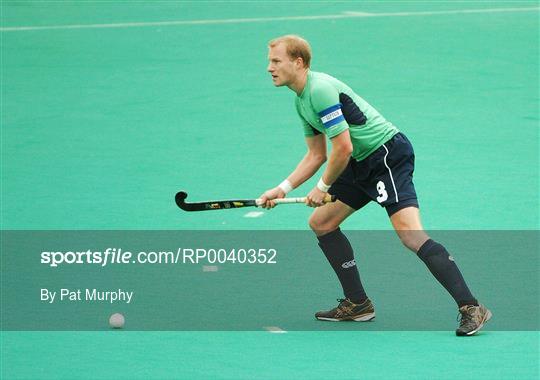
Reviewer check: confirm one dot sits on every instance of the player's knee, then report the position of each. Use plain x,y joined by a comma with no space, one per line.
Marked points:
321,226
409,243
413,240
314,223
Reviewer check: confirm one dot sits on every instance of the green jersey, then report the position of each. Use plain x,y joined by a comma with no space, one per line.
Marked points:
329,106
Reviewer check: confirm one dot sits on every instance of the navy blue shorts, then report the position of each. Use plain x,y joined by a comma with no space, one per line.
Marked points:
385,176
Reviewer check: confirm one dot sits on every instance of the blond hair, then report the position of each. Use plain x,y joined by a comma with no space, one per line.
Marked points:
296,47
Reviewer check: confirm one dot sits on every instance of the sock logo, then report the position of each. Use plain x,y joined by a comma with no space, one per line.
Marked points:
348,264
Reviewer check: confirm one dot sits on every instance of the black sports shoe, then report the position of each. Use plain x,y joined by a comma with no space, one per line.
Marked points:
472,319
348,311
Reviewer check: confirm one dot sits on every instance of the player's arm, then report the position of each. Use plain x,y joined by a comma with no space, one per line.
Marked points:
306,168
339,156
337,162
325,101
312,161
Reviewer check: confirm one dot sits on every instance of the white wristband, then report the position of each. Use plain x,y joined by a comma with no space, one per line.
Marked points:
323,186
286,186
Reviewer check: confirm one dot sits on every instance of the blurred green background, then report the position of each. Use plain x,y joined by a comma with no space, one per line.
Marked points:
101,127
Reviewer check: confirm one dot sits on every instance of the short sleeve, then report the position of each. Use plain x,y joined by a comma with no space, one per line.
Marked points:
325,100
309,131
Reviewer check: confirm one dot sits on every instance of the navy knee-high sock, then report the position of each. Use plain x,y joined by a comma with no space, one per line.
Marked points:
338,251
445,270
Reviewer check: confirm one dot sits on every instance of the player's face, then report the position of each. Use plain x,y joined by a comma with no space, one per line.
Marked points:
281,67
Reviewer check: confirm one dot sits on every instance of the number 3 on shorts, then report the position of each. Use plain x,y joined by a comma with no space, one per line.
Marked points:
381,189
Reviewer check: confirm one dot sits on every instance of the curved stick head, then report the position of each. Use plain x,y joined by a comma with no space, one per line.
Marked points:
180,198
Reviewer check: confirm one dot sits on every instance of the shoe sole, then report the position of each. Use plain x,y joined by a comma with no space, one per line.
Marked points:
361,318
487,317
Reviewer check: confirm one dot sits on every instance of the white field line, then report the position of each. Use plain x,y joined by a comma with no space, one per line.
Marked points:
254,214
449,12
275,330
262,19
210,268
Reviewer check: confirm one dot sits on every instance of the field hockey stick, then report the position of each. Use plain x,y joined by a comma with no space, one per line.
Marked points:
181,196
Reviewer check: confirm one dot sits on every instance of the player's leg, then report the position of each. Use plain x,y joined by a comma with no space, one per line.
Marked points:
407,225
392,186
393,167
325,222
442,265
329,217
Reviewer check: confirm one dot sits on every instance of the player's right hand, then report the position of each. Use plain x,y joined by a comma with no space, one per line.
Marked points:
269,195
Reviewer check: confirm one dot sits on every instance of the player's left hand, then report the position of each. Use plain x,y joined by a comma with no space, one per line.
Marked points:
315,197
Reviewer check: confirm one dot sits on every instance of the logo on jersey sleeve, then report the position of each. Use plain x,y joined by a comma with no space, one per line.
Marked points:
332,116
